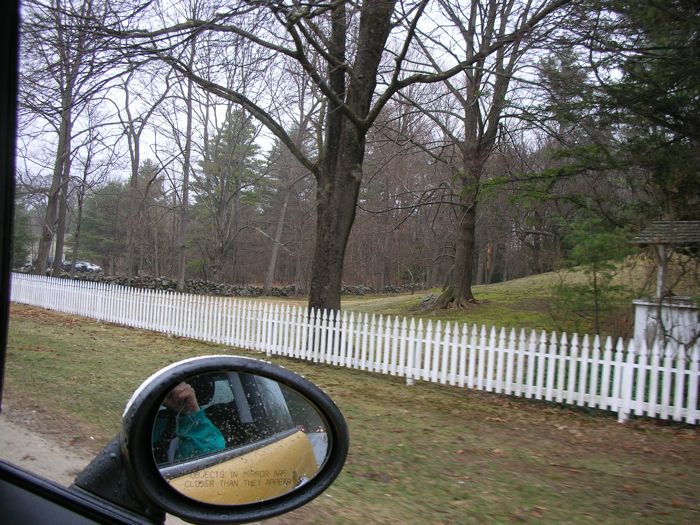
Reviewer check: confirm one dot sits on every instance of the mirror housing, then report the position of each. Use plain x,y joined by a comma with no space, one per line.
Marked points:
147,480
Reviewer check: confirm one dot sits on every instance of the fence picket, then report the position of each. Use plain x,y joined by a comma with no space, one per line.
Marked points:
510,349
520,364
593,398
305,330
640,380
530,365
617,371
490,359
463,349
268,340
680,383
334,331
411,354
626,405
454,351
386,345
356,339
426,348
541,352
583,372
371,338
552,355
653,398
692,415
500,358
437,347
571,372
365,343
446,341
605,384
320,348
666,382
418,360
342,335
393,365
481,360
402,366
472,357
561,370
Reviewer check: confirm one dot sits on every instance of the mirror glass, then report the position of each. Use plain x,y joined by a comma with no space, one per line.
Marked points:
232,438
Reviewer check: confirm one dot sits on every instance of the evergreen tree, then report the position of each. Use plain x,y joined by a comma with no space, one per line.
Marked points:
227,180
23,238
596,250
104,225
636,103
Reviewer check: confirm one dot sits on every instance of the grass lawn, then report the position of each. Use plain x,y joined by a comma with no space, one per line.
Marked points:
425,454
528,302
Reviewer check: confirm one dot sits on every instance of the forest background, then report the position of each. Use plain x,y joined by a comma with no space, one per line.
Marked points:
385,143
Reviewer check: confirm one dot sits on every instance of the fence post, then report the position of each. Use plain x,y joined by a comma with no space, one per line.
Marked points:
445,349
434,365
679,394
624,408
463,352
691,415
411,355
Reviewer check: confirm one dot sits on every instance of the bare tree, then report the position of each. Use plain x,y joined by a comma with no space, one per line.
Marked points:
143,92
471,110
60,73
96,156
289,175
347,49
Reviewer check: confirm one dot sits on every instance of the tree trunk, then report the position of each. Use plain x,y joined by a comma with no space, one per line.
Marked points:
182,239
62,215
336,198
300,279
62,154
458,292
133,219
340,168
78,227
490,262
272,265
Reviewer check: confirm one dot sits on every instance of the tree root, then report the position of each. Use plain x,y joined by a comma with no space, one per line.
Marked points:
449,299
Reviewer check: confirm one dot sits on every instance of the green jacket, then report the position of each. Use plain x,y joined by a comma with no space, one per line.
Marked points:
196,435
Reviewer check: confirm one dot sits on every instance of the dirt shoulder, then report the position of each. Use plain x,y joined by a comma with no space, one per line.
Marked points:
58,450
26,448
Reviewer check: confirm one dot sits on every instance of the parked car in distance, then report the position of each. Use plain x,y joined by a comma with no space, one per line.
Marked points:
94,268
85,266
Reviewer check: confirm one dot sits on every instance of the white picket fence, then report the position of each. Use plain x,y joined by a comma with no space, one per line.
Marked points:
584,371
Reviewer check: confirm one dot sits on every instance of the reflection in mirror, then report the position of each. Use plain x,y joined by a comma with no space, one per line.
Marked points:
232,438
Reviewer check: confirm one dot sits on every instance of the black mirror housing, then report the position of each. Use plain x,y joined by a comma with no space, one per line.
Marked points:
149,489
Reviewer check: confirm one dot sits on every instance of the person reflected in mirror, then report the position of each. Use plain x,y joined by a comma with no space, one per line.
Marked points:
181,430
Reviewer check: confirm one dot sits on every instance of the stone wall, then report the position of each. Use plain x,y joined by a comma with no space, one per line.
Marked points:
202,287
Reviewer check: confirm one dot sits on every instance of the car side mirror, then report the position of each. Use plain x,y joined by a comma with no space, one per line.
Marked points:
223,439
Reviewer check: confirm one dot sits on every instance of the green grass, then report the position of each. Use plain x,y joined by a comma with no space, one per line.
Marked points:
528,302
419,455
521,303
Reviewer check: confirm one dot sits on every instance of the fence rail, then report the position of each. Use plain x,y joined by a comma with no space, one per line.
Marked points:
585,371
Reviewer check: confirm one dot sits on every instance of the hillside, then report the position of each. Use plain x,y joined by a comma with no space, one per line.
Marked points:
530,302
